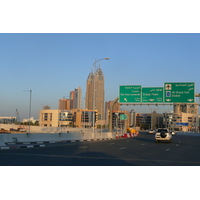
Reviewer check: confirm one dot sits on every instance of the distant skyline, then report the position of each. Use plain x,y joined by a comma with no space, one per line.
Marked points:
52,65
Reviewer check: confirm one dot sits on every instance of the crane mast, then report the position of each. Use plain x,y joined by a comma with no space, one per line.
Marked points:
18,118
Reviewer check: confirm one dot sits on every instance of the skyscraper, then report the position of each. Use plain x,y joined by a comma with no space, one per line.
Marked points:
76,98
95,93
64,104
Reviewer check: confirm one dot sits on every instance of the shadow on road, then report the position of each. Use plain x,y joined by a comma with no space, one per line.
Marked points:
96,159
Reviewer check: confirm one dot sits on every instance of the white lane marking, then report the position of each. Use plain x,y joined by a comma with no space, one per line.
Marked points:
111,143
122,148
142,144
5,147
83,147
167,149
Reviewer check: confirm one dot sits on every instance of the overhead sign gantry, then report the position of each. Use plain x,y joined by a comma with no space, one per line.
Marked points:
183,92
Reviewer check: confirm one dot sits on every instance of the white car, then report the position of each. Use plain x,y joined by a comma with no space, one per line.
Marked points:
173,133
163,134
150,131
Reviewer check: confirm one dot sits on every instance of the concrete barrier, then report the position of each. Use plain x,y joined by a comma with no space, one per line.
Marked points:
2,141
55,137
53,134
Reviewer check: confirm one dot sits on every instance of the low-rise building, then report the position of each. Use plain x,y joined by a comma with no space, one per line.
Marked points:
183,118
181,121
8,120
55,118
84,118
149,120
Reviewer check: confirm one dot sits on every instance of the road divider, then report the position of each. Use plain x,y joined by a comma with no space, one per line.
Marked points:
127,135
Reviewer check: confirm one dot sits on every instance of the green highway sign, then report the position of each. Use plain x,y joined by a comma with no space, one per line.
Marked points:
152,94
130,93
170,93
179,92
123,117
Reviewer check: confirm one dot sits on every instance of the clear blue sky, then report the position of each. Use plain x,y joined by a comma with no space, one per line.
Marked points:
52,65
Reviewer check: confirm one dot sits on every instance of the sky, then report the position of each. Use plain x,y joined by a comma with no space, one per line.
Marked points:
53,64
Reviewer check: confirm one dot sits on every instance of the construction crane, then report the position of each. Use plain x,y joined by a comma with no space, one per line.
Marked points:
18,118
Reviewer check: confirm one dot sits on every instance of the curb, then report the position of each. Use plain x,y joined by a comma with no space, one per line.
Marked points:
32,146
19,147
42,144
18,143
87,140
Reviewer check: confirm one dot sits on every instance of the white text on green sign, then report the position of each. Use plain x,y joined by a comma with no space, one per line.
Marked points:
129,93
179,92
152,95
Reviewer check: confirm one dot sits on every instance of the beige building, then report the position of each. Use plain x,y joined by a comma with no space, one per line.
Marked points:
55,118
183,118
149,120
83,118
64,104
186,108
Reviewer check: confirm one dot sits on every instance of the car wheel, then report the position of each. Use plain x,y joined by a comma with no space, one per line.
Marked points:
156,141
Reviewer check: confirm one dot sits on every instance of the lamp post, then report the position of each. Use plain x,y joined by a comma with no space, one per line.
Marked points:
29,109
94,90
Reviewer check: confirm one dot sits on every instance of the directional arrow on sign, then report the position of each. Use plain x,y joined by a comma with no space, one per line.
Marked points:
125,99
190,100
151,99
168,99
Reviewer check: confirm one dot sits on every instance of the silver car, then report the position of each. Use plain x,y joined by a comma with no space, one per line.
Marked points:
150,131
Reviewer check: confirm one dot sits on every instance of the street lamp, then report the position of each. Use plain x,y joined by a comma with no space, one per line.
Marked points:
94,64
29,108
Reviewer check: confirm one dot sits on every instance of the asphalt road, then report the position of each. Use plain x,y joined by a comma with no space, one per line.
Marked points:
139,151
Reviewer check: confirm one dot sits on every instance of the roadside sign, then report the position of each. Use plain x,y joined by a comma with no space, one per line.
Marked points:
152,94
123,117
182,124
130,93
179,92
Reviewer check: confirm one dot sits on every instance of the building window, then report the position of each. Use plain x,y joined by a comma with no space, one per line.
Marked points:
45,117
